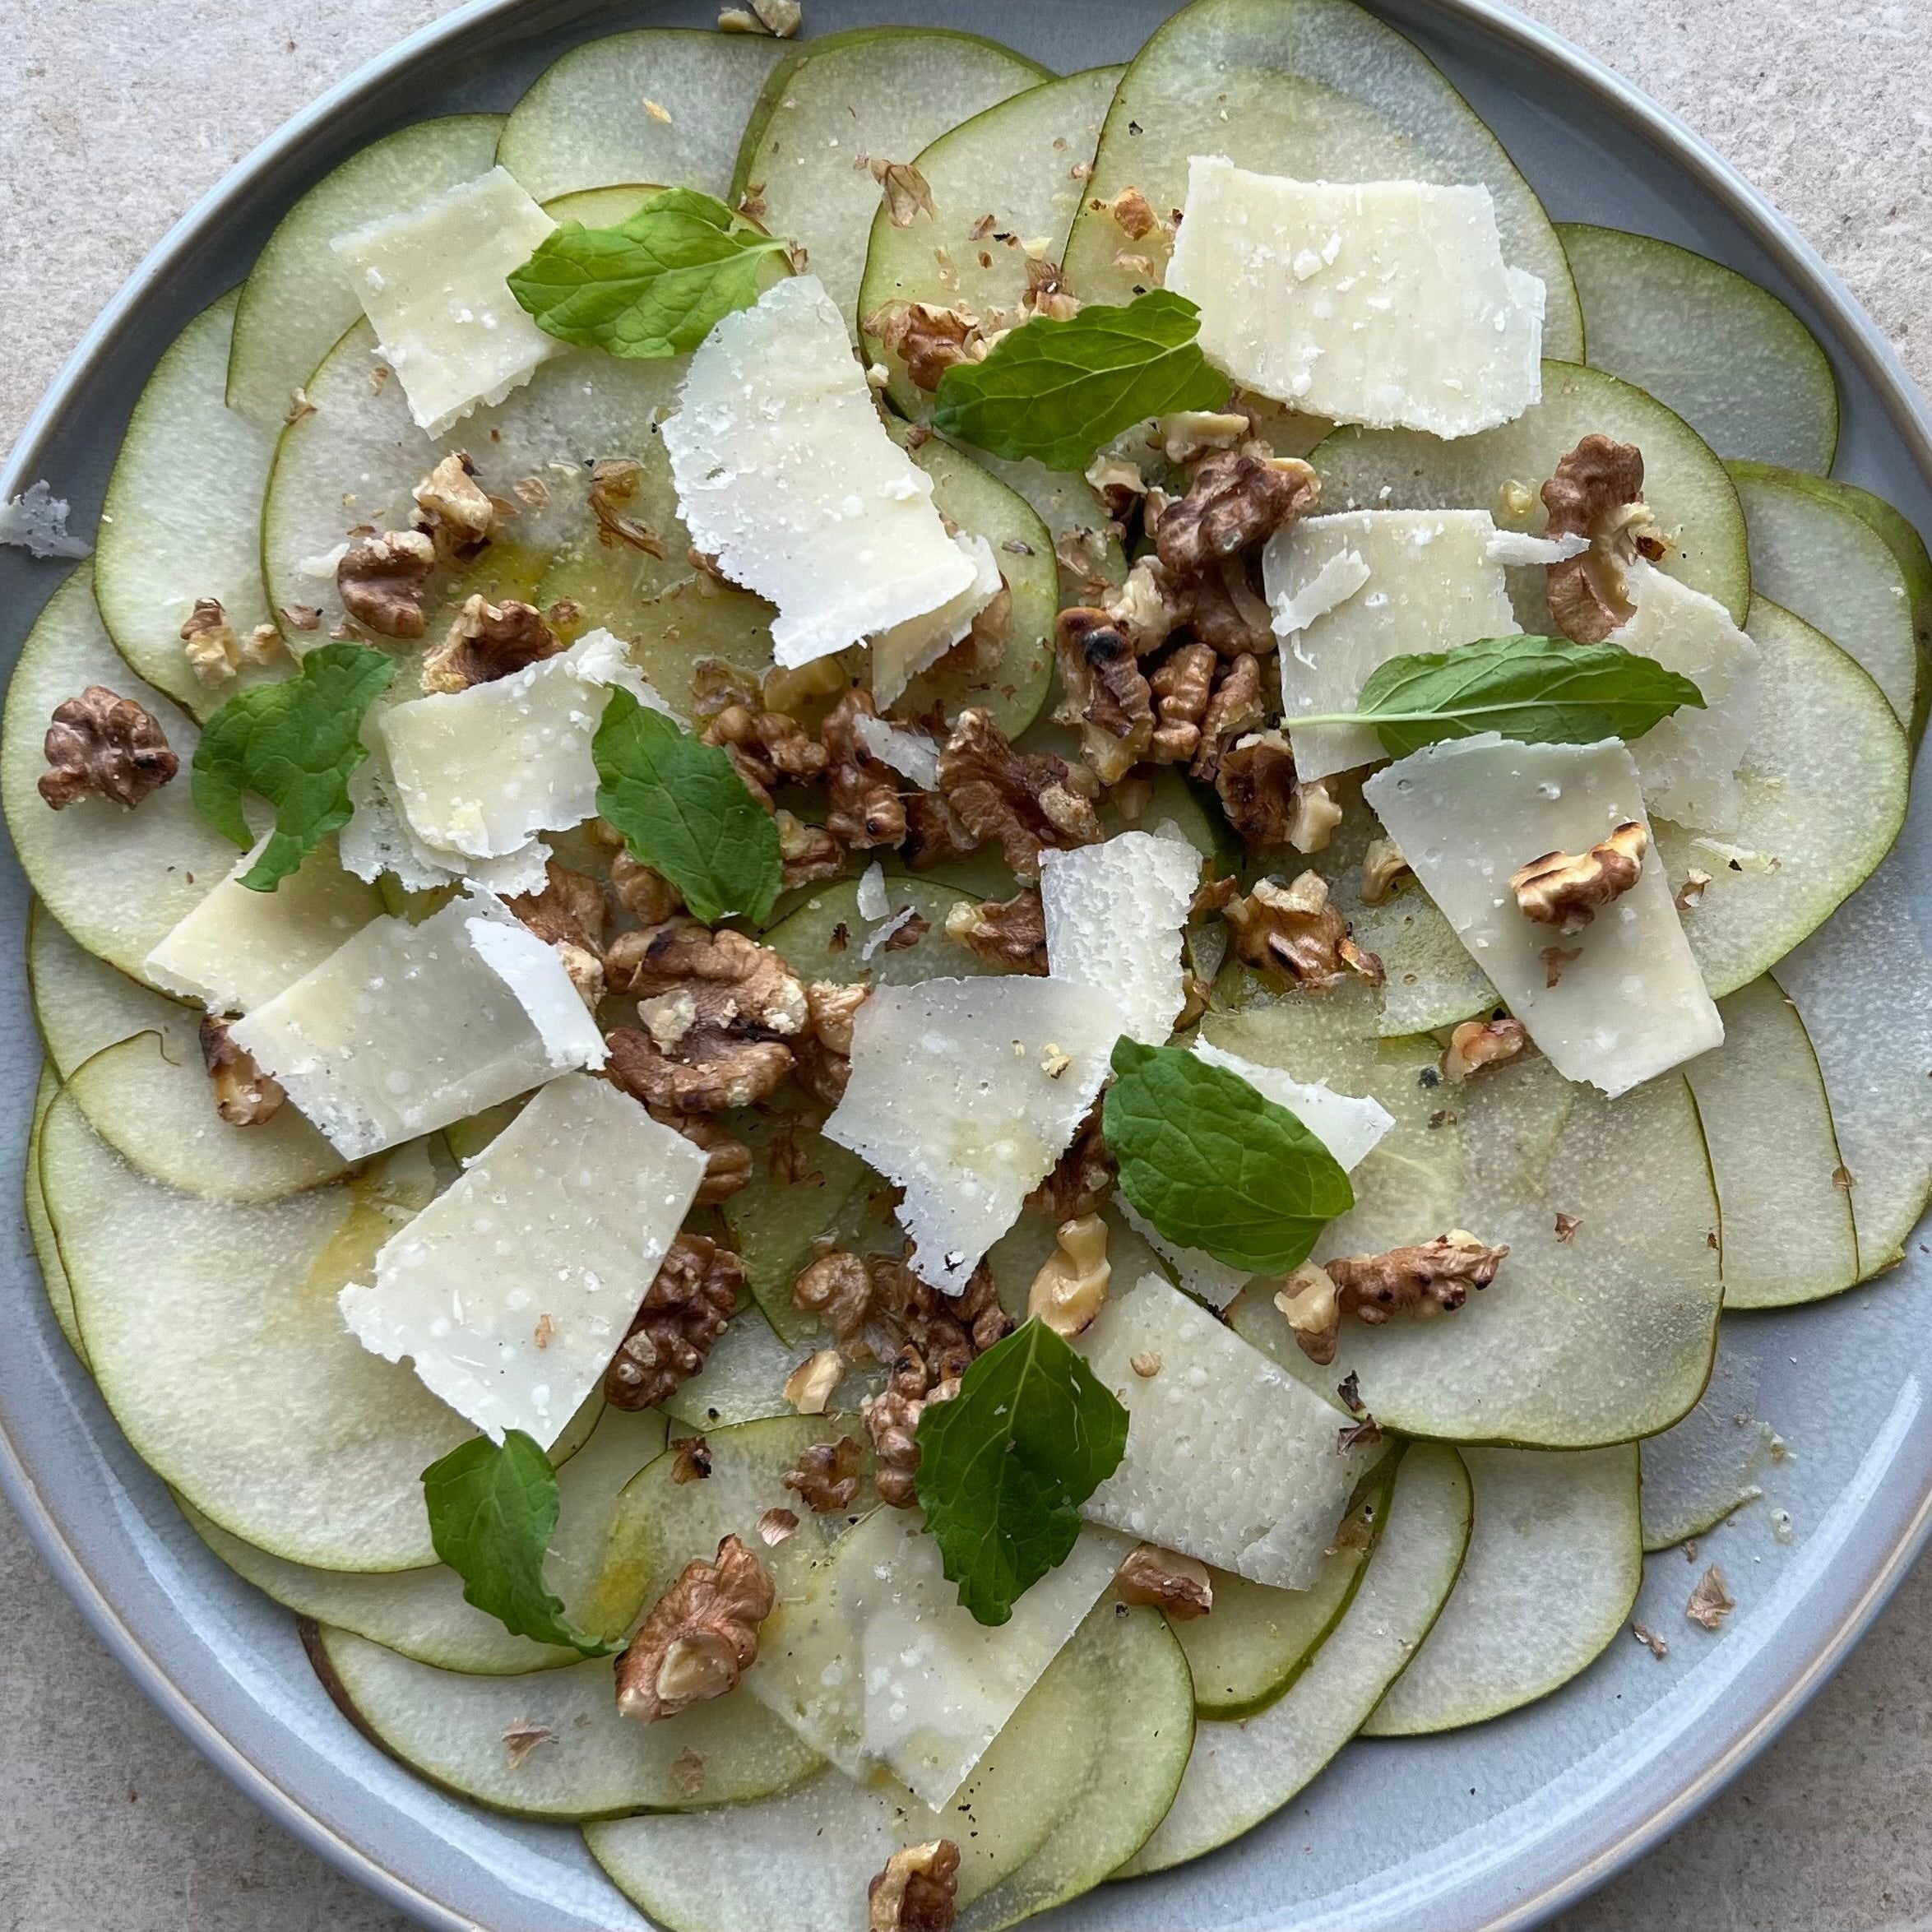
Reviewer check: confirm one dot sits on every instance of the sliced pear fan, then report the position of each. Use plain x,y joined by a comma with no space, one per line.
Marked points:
54,1274
1555,1560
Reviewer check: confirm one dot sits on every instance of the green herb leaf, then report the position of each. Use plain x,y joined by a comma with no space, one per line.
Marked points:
294,744
683,809
1005,1466
1214,1165
492,1509
1058,390
653,285
1536,690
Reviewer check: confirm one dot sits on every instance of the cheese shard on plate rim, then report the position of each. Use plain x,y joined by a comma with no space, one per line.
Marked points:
965,1092
511,1291
1113,915
407,1028
1229,1457
1428,583
1467,815
434,283
1382,303
1690,761
877,1663
786,476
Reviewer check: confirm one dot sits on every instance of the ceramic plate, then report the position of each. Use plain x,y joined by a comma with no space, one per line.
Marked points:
1499,1826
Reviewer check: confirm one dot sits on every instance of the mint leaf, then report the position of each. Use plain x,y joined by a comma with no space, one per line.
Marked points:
653,285
1058,390
492,1509
1536,690
294,744
1214,1165
1005,1466
683,809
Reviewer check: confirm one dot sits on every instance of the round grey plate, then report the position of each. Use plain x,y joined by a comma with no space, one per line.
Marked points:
1495,1826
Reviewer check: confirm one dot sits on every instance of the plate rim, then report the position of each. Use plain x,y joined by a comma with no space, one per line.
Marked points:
1908,414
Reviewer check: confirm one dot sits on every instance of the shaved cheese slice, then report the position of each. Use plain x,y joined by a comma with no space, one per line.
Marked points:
908,752
871,899
1341,576
478,772
786,476
1113,918
965,1092
1428,583
901,654
1229,1458
240,947
378,840
1630,1003
409,1027
1689,762
1517,547
1386,303
434,283
877,1664
511,1292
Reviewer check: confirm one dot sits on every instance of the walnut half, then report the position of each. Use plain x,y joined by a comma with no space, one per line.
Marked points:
104,744
700,1639
684,1312
1568,891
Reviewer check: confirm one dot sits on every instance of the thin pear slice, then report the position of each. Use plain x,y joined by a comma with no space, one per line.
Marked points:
118,881
743,1378
1815,555
1555,1561
421,1614
826,936
1863,987
1684,482
213,1331
588,119
1241,1773
1318,89
1130,1682
297,302
1606,1317
1003,183
183,518
1727,355
1696,1472
551,1744
1907,547
53,1273
872,93
1786,1213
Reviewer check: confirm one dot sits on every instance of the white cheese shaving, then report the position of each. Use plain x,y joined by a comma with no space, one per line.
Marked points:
378,840
909,753
872,901
881,935
786,476
36,521
1340,576
434,283
1386,303
511,1291
901,654
1517,548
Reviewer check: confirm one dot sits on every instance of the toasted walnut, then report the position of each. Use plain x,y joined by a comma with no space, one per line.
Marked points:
1711,1602
906,192
1072,1288
1083,1177
107,744
891,1419
916,1890
769,748
728,1162
1029,802
212,649
866,808
1312,1306
1106,694
1234,712
701,1637
829,1009
1181,688
1228,611
646,895
1290,929
488,642
1178,1585
684,1312
1565,891
382,581
710,1072
838,1288
1235,503
1430,1278
1597,492
1149,607
584,969
1383,864
827,1478
1185,436
1255,781
245,1095
736,984
1133,213
569,908
929,340
1313,815
778,19
455,512
806,852
809,1388
1477,1044
691,1459
613,483
1006,933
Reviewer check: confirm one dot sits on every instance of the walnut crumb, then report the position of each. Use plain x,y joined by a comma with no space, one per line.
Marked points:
245,1095
1650,1639
1711,1602
778,20
694,1463
523,1737
1070,1290
700,1639
809,1387
1477,1044
827,1478
915,1892
775,1525
1690,895
682,1314
454,511
1054,1060
1178,1585
382,580
1146,1365
1566,1226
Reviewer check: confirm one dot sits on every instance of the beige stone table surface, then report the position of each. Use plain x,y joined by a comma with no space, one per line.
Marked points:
114,115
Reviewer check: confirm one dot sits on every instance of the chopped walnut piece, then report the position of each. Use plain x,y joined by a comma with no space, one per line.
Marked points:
1690,895
929,341
1178,1585
1555,959
455,512
570,908
915,1892
487,641
1070,1290
1477,1044
769,748
710,1072
728,1162
838,1288
866,808
1383,864
1106,694
1234,502
1566,1226
1146,1365
1293,930
691,1461
1711,1602
245,1095
1228,612
701,1637
1431,1278
1029,802
646,894
779,20
1084,1176
383,579
523,1737
1565,891
1234,712
1180,688
809,1386
303,617
905,192
213,649
775,1525
1656,1645
614,482
1006,933
1597,492
107,744
806,852
827,1478
1148,608
891,1419
823,1055
1133,213
1313,815
1312,1308
684,1312
736,984
1255,781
